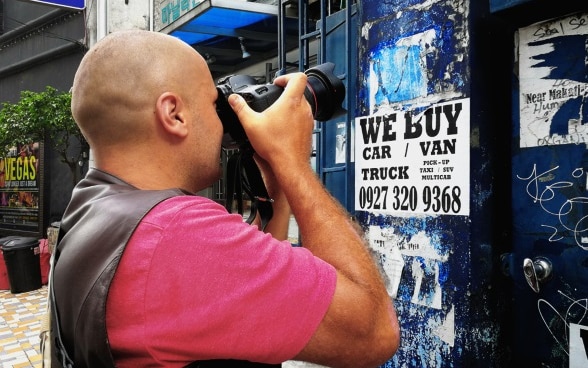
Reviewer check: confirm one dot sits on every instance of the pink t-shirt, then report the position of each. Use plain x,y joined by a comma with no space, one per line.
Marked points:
197,283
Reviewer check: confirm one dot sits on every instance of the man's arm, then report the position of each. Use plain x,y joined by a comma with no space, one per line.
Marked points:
360,328
280,221
360,324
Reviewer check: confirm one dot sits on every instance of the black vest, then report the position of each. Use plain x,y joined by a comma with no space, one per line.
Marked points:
102,215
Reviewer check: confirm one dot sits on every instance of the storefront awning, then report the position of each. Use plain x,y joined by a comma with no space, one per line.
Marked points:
231,34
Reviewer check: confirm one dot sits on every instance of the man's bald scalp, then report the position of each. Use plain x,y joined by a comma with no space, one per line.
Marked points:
112,90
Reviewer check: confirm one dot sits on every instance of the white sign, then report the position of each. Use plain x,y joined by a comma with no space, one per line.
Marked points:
553,82
578,346
414,162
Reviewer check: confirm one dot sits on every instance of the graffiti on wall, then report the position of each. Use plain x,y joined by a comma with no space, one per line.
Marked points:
573,337
551,190
549,201
554,82
549,187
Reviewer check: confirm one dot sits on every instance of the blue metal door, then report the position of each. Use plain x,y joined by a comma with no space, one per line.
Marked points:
333,154
549,262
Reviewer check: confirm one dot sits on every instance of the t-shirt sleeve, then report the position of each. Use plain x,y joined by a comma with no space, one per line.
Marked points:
215,287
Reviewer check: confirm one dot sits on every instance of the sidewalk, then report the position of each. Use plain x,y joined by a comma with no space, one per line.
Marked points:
20,323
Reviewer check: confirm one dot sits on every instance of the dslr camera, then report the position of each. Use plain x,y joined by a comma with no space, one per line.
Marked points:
324,92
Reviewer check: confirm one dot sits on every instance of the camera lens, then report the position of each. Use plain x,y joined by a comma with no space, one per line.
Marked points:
325,91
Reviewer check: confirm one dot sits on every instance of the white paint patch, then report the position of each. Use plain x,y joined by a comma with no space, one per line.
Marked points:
425,5
424,39
424,268
365,30
446,331
386,244
420,246
432,300
418,275
578,346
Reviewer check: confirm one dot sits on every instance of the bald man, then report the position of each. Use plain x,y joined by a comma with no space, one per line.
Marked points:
149,274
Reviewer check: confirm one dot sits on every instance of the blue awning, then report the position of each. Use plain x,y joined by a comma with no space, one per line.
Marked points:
211,18
221,30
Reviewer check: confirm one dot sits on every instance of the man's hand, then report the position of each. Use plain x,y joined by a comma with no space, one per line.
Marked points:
282,134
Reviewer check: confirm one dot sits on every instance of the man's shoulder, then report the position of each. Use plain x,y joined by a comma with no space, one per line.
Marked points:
184,201
184,205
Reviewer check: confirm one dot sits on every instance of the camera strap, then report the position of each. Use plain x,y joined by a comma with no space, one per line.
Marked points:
244,177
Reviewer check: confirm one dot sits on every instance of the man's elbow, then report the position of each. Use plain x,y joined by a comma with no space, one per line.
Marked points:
364,345
385,338
393,329
385,344
376,343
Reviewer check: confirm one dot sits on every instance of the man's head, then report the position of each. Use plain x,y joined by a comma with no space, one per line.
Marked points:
149,96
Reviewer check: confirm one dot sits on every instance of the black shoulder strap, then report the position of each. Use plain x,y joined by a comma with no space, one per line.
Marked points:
243,175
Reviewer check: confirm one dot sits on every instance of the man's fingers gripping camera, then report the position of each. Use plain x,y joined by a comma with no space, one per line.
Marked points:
324,92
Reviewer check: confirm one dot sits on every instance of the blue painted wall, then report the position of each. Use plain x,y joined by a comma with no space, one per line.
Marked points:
549,177
447,189
496,5
418,55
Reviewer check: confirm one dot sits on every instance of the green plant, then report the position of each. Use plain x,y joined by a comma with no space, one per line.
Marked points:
44,117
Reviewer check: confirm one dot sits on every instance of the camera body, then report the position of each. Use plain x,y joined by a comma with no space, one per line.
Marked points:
324,92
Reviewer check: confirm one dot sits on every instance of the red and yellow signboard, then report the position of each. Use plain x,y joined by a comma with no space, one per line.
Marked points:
20,188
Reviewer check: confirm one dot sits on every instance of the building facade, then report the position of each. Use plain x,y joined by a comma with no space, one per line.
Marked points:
40,46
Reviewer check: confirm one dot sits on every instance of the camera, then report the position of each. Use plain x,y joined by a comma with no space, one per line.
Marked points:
324,92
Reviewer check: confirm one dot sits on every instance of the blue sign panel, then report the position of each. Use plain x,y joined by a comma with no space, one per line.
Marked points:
74,4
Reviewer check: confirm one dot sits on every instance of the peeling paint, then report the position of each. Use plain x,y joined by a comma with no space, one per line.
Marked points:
385,244
420,245
446,331
435,262
365,30
426,5
407,55
415,54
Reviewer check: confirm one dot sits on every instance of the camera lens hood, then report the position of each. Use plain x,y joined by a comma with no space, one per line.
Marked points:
325,91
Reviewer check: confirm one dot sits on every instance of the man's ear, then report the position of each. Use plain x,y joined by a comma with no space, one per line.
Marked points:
171,114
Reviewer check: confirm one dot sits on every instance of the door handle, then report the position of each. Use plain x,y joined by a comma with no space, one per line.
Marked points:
537,271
